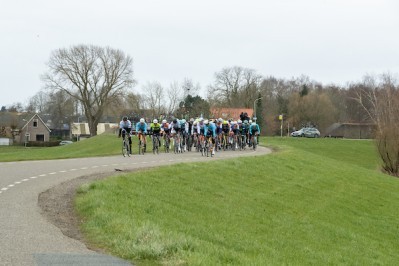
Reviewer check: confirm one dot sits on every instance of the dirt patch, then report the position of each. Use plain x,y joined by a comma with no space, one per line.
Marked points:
57,204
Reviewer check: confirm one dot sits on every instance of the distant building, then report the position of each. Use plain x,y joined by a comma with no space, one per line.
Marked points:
23,127
351,130
81,130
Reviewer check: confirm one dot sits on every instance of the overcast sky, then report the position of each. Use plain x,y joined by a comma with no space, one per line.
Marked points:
331,41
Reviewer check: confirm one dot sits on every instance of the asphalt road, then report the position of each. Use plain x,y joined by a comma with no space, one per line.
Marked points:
27,238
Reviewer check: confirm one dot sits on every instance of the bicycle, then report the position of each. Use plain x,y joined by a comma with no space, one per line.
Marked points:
125,143
177,144
209,146
155,143
167,143
254,141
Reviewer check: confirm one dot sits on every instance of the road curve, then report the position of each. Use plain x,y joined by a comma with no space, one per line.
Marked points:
28,238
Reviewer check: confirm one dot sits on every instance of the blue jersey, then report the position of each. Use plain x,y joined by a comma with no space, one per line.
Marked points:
141,127
253,129
210,130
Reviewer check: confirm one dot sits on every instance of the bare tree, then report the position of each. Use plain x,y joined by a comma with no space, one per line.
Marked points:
175,95
153,97
38,102
383,97
93,75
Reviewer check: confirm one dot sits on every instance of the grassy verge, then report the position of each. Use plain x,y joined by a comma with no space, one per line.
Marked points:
101,145
313,202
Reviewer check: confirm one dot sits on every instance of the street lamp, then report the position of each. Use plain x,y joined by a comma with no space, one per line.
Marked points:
255,107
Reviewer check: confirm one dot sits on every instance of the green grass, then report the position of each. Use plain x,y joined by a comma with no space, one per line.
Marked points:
101,145
313,202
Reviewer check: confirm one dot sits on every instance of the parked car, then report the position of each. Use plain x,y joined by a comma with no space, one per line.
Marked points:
65,142
299,133
312,133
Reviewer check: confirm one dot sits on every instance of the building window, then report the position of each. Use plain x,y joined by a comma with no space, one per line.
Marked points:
35,123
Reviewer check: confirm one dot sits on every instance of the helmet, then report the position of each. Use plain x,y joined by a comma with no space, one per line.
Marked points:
220,120
225,122
195,123
253,123
191,119
142,120
239,121
164,121
124,118
183,121
155,121
206,122
245,121
201,119
175,121
250,121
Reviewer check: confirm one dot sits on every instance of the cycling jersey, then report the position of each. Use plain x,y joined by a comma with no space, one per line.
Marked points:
165,128
254,129
141,127
175,127
201,128
155,128
210,130
225,128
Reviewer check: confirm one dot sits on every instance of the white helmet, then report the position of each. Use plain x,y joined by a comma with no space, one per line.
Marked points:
253,123
164,121
142,120
155,121
239,121
220,120
250,121
206,122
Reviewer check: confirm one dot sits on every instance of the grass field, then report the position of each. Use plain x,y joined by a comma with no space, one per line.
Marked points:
312,202
102,145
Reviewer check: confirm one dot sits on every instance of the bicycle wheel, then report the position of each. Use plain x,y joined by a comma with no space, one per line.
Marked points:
167,144
125,148
239,142
254,143
175,145
140,149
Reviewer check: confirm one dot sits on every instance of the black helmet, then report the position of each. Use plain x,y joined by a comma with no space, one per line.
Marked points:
175,121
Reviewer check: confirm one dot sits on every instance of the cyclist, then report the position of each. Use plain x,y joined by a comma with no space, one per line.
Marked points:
175,131
210,131
127,126
165,130
254,130
235,132
141,129
155,128
245,131
226,131
219,132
